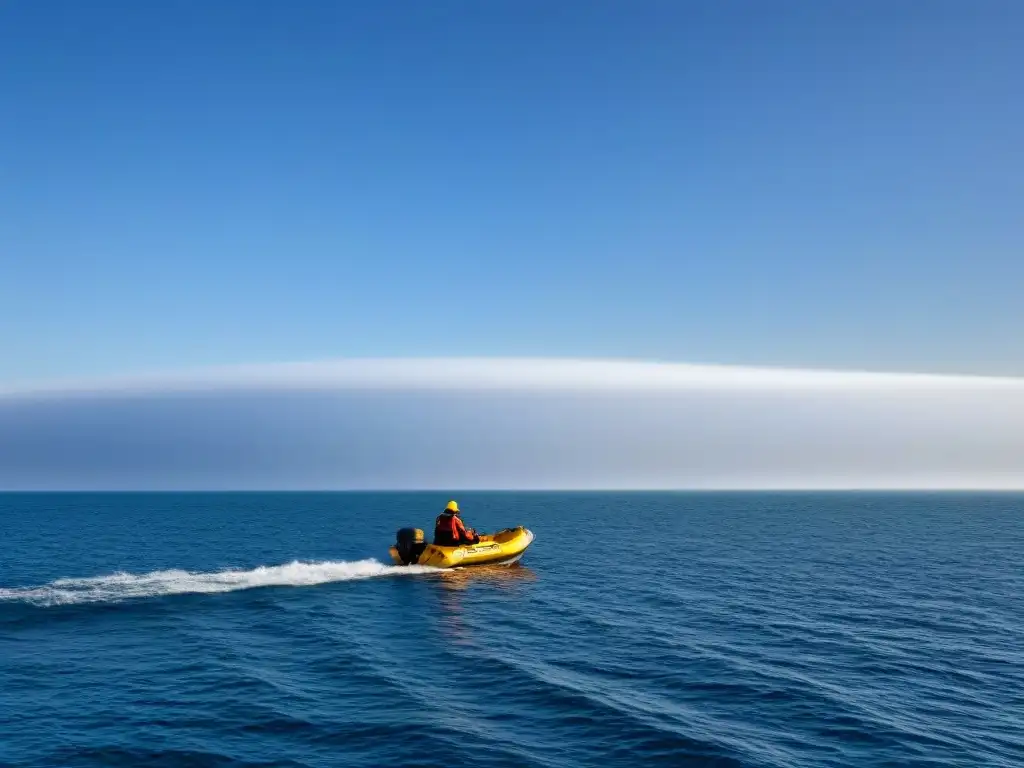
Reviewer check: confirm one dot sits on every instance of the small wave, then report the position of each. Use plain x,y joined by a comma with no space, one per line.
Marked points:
125,586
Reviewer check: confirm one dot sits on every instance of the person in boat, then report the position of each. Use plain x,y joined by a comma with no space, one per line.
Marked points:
449,530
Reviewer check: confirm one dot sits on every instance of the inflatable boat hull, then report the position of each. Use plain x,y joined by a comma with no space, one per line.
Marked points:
502,548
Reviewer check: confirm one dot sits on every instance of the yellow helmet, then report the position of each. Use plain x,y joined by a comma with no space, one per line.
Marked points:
452,507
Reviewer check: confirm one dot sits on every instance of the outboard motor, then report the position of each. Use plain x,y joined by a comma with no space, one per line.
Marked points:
410,544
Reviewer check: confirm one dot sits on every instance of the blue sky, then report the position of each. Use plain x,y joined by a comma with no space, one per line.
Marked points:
816,184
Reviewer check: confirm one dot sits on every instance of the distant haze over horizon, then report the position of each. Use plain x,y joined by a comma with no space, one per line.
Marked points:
501,424
489,372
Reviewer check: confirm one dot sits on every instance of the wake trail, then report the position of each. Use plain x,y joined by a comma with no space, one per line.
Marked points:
126,586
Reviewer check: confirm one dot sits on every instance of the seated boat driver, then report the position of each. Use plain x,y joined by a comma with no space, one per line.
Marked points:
449,530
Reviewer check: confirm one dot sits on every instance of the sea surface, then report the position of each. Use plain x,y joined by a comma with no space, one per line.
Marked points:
640,630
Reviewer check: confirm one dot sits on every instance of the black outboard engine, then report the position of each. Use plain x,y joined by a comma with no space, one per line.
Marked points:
410,544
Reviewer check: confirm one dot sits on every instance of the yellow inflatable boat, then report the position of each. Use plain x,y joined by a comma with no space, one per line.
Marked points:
502,548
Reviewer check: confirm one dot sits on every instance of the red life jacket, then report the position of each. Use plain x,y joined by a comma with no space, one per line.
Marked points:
449,530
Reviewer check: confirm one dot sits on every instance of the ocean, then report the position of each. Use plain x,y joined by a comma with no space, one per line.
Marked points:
641,629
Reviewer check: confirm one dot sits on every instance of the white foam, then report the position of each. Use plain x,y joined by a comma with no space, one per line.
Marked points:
123,586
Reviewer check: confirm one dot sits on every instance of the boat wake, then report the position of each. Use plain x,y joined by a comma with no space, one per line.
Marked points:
126,586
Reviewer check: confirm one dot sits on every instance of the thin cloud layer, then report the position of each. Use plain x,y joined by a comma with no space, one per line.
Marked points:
514,424
506,374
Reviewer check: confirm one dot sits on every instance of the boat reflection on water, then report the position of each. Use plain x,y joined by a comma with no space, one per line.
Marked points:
501,576
454,585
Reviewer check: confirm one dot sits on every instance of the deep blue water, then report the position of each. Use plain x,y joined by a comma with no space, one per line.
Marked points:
641,629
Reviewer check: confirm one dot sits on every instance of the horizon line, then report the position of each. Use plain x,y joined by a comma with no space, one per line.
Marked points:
538,490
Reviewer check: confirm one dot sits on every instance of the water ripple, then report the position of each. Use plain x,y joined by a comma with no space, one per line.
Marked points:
775,632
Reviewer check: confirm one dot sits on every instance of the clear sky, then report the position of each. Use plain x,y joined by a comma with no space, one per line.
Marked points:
824,184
